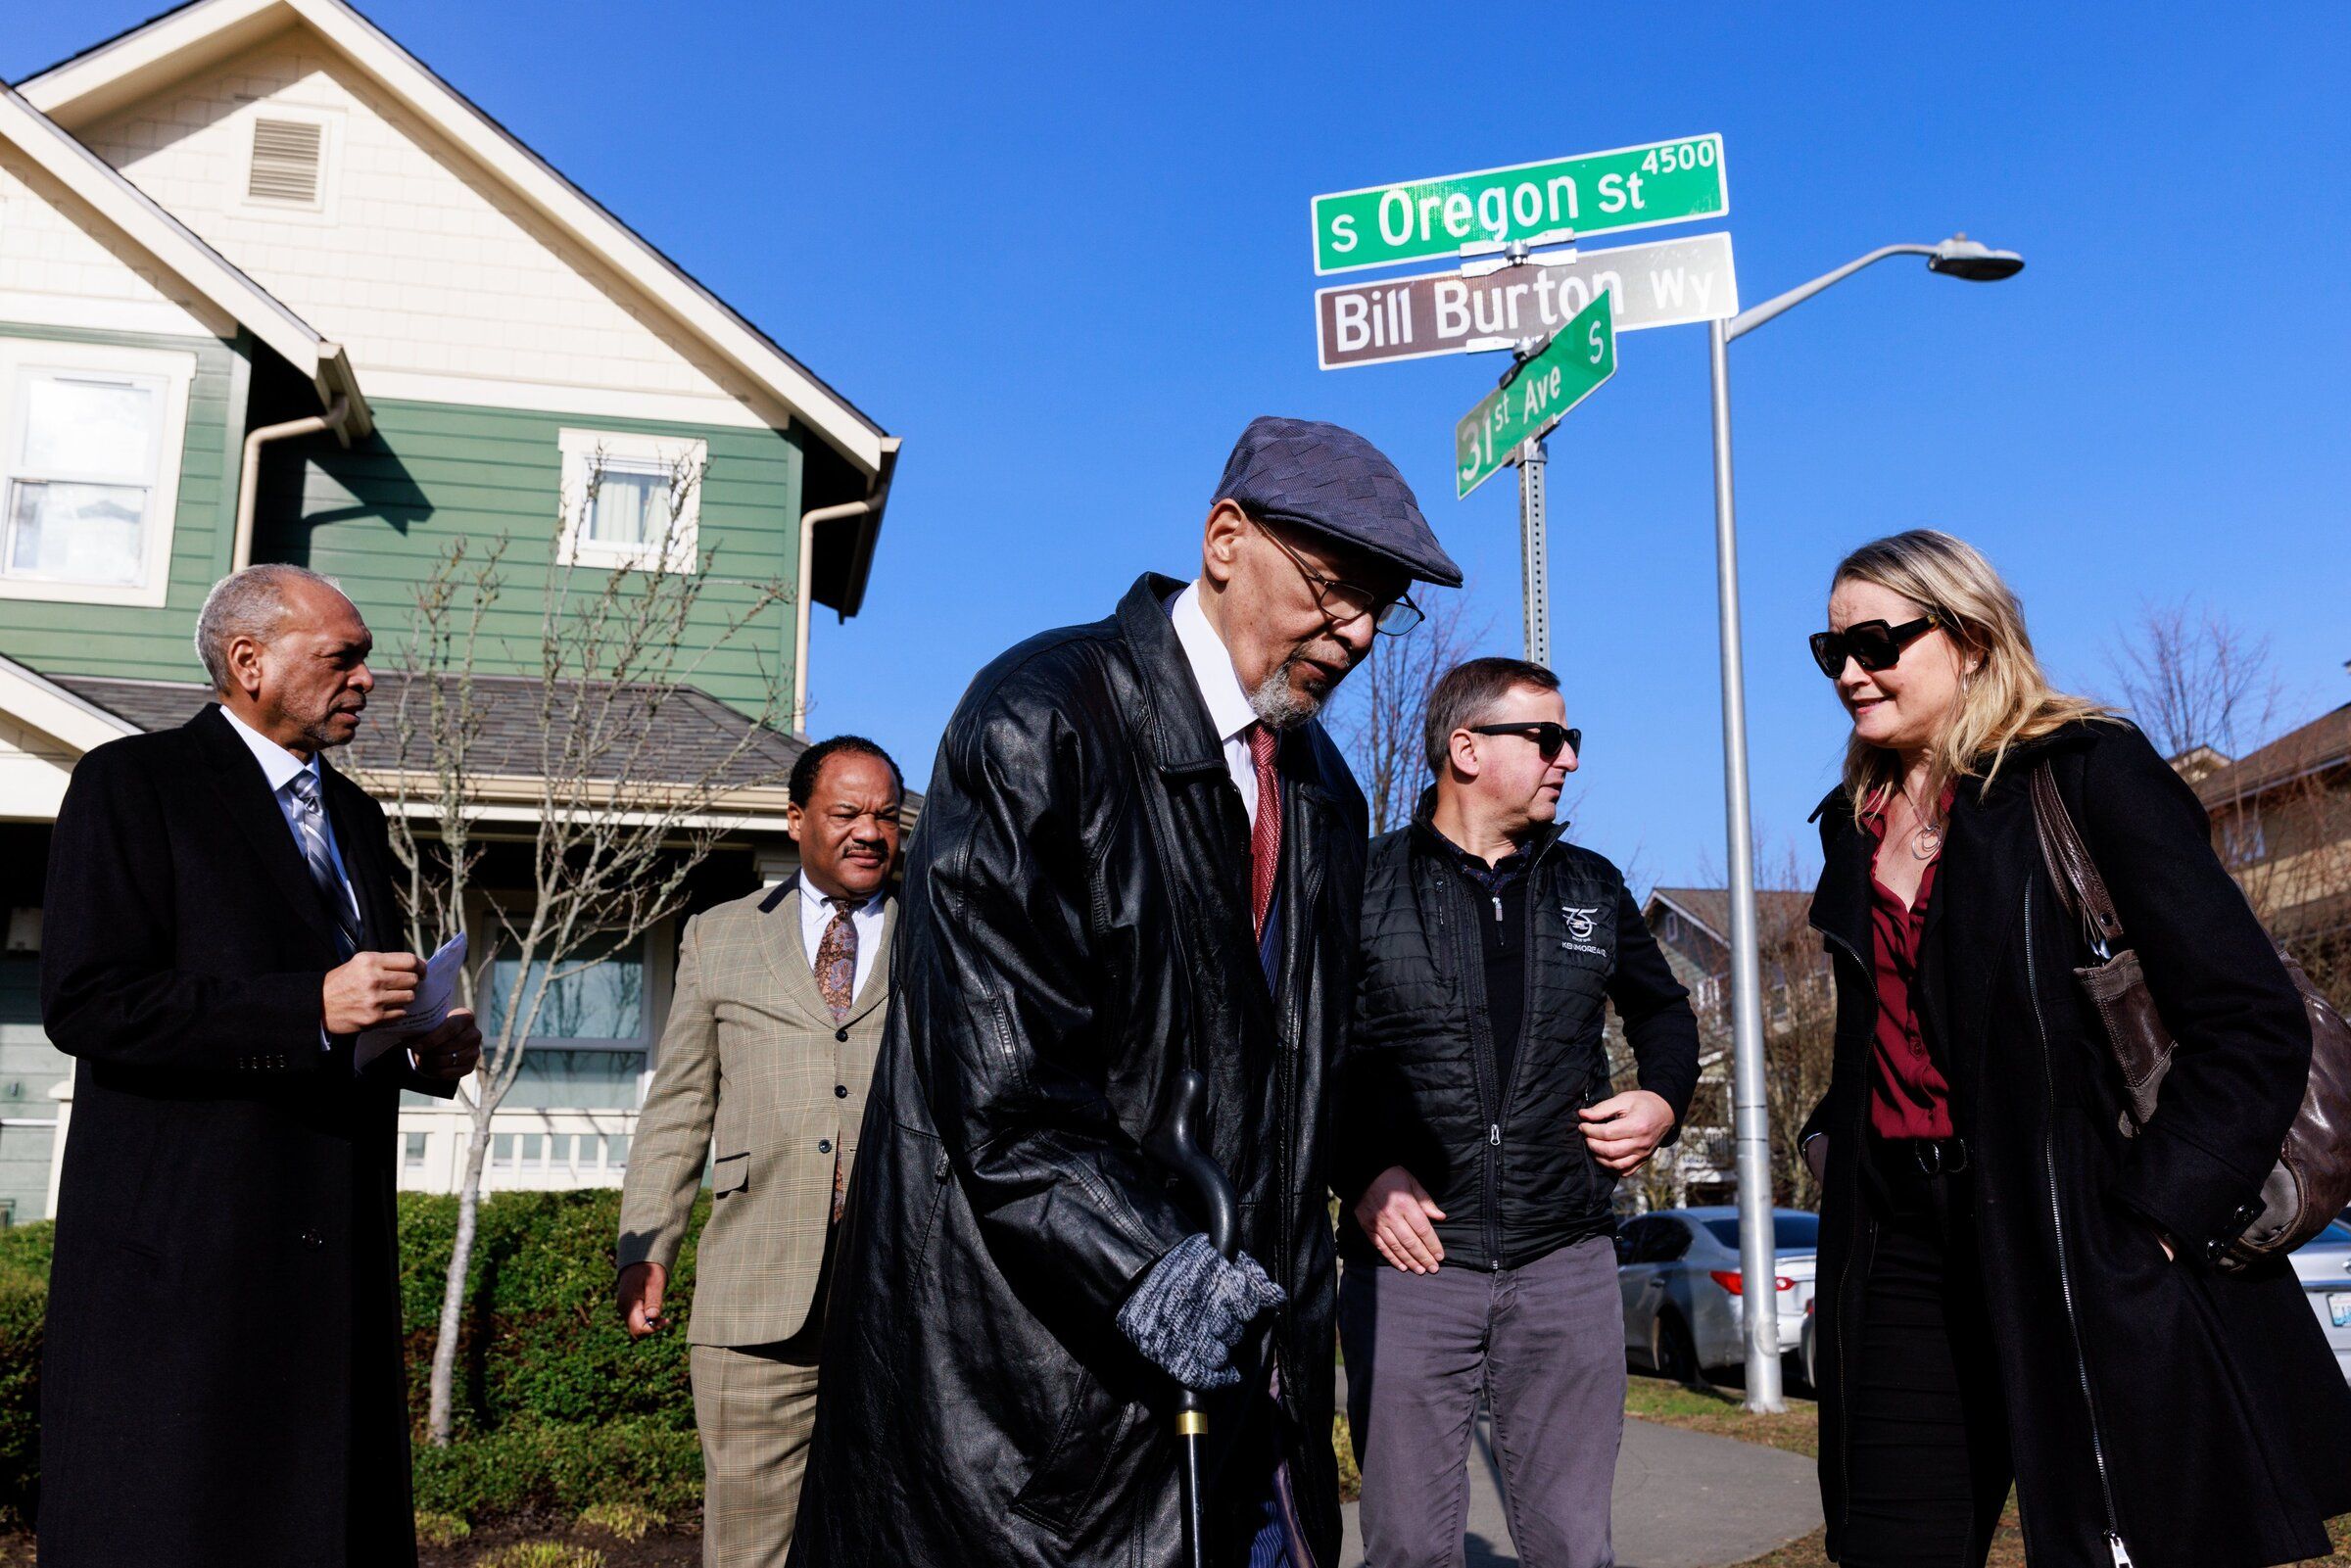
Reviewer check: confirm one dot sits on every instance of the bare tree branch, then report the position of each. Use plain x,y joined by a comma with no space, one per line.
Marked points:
619,824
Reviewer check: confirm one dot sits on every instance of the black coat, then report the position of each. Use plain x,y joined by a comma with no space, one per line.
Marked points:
2197,1414
1507,1162
222,1384
1076,930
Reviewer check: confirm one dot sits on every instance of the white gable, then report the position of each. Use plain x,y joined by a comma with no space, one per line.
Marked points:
423,266
62,264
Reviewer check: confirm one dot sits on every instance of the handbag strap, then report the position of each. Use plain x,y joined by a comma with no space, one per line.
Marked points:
2078,884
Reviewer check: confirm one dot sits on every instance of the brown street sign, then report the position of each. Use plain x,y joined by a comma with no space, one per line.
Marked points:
1665,283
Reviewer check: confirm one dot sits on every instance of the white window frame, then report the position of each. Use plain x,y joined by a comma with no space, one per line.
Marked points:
330,145
23,357
584,451
657,947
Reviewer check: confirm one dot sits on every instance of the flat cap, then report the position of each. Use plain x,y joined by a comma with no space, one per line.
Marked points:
1330,480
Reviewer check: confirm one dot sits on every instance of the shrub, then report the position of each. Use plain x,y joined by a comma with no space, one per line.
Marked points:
441,1529
556,1407
541,1554
24,1298
627,1521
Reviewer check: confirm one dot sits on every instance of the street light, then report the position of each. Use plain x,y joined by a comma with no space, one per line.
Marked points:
1957,257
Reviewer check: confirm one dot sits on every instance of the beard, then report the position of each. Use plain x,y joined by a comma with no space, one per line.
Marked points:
1278,703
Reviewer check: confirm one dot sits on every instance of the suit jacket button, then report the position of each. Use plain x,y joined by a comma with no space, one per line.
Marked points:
840,1091
2215,1250
312,1240
824,1146
2246,1214
842,1035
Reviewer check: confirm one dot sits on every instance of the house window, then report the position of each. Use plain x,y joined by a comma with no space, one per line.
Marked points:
589,1046
624,493
89,463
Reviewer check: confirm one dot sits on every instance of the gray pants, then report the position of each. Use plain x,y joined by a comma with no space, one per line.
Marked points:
1545,1345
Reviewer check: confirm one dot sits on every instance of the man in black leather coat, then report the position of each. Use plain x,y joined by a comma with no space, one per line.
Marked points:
1139,852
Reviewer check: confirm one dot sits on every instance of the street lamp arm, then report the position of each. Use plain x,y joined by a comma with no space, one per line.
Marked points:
1748,321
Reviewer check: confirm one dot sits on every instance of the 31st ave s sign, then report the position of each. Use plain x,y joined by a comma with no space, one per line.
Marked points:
1629,187
1559,375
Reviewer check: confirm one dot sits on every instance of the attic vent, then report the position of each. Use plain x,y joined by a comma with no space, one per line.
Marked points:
285,161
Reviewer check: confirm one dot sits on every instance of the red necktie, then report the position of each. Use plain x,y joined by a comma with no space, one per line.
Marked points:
1265,834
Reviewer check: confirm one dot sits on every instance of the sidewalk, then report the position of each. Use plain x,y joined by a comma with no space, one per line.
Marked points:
1683,1500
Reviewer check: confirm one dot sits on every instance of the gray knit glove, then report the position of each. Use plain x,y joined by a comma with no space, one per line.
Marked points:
1191,1308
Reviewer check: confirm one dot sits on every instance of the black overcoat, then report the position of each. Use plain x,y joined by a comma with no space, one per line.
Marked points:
222,1385
1076,930
2196,1415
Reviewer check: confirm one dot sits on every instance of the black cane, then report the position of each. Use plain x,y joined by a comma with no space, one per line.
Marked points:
1175,1144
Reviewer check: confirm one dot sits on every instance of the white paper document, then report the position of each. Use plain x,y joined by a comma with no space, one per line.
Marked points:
436,994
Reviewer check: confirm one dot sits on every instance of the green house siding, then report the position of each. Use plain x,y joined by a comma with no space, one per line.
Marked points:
151,643
377,516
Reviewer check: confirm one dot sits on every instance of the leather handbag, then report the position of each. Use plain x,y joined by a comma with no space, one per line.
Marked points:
2312,1181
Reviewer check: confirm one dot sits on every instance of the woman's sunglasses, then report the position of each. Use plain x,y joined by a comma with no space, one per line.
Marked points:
1548,737
1872,644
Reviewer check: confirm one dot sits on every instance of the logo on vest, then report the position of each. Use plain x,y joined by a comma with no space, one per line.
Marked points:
1581,927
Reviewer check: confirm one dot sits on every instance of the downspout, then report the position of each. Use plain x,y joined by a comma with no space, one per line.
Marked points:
249,477
803,605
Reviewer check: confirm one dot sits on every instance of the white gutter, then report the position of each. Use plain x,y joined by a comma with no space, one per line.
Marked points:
803,605
248,478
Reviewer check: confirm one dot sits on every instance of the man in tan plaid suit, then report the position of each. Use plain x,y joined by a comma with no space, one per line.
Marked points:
778,1007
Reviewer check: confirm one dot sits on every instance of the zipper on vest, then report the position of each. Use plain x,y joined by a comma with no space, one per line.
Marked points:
1497,897
2065,1278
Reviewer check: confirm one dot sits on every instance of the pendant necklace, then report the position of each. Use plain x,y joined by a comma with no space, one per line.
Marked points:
1926,841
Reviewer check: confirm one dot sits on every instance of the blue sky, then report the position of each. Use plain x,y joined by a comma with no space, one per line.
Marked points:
1063,253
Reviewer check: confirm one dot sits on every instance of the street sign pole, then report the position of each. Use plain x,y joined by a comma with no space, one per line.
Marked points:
1534,562
1757,1260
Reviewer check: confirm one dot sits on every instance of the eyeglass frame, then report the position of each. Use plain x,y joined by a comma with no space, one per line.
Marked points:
1902,636
1323,586
1571,737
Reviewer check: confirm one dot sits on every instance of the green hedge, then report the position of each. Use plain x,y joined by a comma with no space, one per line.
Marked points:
23,1295
556,1406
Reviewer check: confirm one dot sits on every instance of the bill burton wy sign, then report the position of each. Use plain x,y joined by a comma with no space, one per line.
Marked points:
1662,284
1594,193
1535,396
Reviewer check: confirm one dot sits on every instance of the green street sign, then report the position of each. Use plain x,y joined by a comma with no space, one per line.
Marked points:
1629,187
1562,373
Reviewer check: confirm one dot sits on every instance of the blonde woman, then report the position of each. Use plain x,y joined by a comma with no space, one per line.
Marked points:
2012,1287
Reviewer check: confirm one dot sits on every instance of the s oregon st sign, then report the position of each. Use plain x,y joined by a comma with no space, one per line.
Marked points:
1594,193
1660,284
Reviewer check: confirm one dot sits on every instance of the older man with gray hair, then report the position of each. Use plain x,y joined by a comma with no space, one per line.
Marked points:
222,1374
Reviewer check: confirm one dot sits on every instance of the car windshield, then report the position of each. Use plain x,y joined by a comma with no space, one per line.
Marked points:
1790,1233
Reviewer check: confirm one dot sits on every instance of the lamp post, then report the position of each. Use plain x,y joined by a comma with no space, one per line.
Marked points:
1957,257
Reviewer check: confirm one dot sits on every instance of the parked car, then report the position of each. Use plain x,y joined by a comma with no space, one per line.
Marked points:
1679,1271
2324,1263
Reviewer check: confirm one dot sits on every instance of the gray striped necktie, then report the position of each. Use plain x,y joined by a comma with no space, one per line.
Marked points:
311,832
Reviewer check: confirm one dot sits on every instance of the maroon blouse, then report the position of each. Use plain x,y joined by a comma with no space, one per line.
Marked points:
1908,1097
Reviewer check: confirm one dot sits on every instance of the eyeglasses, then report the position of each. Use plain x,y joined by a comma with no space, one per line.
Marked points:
1548,737
1341,602
1872,644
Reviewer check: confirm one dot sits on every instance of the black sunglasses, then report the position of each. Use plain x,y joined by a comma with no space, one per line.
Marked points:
1872,644
1548,737
1341,602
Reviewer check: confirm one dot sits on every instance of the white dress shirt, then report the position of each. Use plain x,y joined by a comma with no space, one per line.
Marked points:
816,915
1228,709
279,766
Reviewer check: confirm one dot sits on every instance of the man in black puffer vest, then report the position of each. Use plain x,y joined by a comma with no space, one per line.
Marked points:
1479,1138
